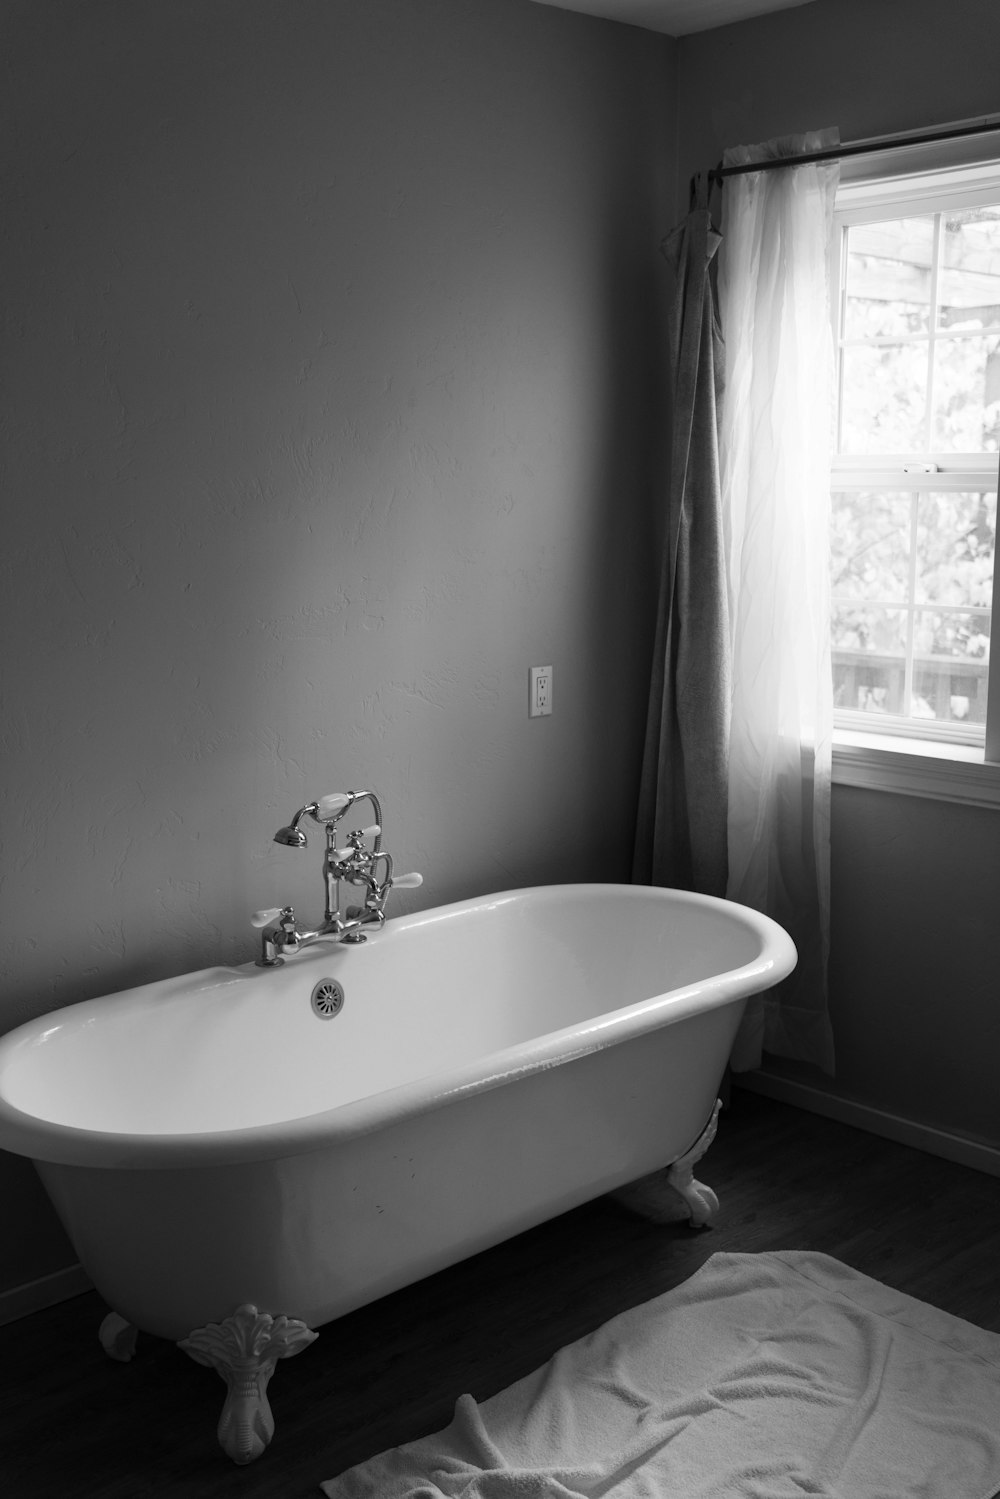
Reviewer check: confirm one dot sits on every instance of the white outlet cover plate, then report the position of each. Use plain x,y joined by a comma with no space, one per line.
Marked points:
540,694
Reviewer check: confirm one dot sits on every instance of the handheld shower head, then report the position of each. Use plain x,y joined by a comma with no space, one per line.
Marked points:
327,811
293,836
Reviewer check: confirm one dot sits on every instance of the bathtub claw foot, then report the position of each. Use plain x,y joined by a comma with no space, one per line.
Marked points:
243,1350
701,1200
671,1195
118,1337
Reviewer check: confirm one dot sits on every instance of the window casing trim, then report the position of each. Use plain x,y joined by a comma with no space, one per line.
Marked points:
909,767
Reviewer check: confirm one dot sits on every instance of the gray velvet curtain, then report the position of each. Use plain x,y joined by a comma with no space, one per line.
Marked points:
681,826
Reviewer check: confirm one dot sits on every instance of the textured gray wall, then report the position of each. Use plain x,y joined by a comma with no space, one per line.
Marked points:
330,405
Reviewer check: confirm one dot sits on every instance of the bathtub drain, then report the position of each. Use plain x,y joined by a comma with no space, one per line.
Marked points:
327,999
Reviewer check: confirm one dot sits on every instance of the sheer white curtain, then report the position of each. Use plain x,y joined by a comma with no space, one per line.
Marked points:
775,456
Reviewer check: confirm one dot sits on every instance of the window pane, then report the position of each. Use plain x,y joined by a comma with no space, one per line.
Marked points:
951,655
966,395
889,278
949,696
952,634
869,659
870,546
884,398
956,538
969,291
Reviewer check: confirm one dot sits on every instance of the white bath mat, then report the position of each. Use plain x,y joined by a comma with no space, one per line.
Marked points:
764,1376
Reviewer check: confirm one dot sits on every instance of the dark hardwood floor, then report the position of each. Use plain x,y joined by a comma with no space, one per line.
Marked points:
74,1423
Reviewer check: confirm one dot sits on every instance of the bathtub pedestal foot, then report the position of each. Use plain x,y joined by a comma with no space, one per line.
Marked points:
243,1351
700,1199
672,1195
118,1337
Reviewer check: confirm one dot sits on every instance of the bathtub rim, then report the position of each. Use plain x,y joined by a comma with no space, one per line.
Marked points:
61,1144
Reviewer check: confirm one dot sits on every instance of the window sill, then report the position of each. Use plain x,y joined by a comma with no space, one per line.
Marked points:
910,767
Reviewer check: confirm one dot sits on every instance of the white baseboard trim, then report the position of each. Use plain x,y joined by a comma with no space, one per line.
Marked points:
959,1148
21,1301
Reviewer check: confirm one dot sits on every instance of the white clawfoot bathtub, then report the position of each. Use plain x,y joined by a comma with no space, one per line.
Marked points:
211,1142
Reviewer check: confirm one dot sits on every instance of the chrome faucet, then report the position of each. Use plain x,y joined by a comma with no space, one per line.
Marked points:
353,862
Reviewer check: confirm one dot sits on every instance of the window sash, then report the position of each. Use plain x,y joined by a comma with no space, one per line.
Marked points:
914,471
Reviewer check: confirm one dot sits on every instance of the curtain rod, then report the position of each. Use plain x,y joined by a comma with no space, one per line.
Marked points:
854,148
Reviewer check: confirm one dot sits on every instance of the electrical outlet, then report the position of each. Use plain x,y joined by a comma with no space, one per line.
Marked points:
540,697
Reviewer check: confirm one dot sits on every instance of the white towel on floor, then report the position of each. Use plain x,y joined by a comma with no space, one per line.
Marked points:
764,1376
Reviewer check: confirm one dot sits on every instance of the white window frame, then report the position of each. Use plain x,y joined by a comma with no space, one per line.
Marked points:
932,759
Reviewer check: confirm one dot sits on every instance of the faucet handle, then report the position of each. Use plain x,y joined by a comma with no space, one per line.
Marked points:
354,847
264,918
407,881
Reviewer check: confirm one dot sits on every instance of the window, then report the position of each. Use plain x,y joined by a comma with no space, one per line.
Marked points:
917,445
